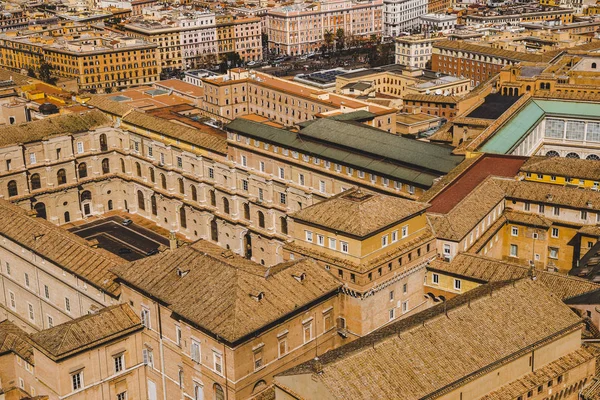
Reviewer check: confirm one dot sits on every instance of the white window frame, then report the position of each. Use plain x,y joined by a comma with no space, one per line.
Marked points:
320,240
457,285
435,279
344,247
332,243
309,236
404,231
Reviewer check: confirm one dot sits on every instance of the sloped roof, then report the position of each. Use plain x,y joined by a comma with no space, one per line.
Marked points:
489,51
87,332
109,106
485,269
562,166
218,290
567,196
359,212
14,339
61,247
59,125
439,349
178,131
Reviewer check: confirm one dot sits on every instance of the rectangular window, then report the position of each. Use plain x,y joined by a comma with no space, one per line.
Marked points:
178,335
322,186
384,240
211,173
392,314
50,321
320,240
32,159
281,173
179,162
301,179
514,231
391,295
447,250
218,363
282,198
162,158
31,313
150,151
26,279
245,185
195,351
46,292
8,266
514,250
307,332
541,208
584,215
136,146
405,307
309,236
12,300
80,147
261,194
553,253
282,346
404,231
554,232
328,320
457,284
344,246
258,359
332,243
77,380
556,211
411,189
119,362
148,357
435,279
526,206
67,304
244,161
122,396
145,317
261,166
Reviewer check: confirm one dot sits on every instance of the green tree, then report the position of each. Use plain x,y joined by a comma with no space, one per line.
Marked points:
340,39
46,73
31,73
328,37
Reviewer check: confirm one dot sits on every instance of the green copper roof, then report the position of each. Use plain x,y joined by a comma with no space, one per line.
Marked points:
516,129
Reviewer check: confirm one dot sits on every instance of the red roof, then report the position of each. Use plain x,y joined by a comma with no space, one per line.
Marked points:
488,164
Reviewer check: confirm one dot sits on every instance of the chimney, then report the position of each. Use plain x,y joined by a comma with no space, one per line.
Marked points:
172,241
318,366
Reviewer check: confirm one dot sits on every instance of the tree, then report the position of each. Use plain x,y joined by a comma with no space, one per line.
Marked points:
46,73
340,39
31,73
328,37
230,60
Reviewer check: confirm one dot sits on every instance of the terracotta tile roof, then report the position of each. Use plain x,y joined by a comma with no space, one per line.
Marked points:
181,86
541,376
18,79
487,165
590,230
468,212
14,339
558,195
461,45
435,351
485,269
86,332
60,125
178,131
61,247
528,219
359,212
103,103
561,166
220,291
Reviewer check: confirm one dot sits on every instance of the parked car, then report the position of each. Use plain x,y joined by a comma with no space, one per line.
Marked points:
124,250
126,222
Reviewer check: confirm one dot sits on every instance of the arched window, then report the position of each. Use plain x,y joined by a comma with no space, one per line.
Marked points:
40,210
110,205
181,186
528,88
572,155
246,211
105,166
138,169
225,205
103,143
152,178
153,205
284,225
82,170
552,153
163,181
213,198
194,193
12,189
35,181
122,165
182,217
261,219
594,65
141,202
86,195
259,386
67,217
592,157
61,176
219,394
214,230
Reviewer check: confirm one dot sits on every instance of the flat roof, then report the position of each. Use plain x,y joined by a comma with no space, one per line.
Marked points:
494,105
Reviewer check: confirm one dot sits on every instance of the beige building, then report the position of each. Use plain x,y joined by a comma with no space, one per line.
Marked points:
300,28
464,347
94,356
415,50
220,326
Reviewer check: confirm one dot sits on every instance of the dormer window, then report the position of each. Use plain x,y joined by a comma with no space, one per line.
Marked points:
300,278
258,297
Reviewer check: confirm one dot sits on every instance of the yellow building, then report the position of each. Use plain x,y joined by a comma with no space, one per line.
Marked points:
562,171
376,244
225,34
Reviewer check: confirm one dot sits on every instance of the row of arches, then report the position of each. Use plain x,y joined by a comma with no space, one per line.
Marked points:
553,153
